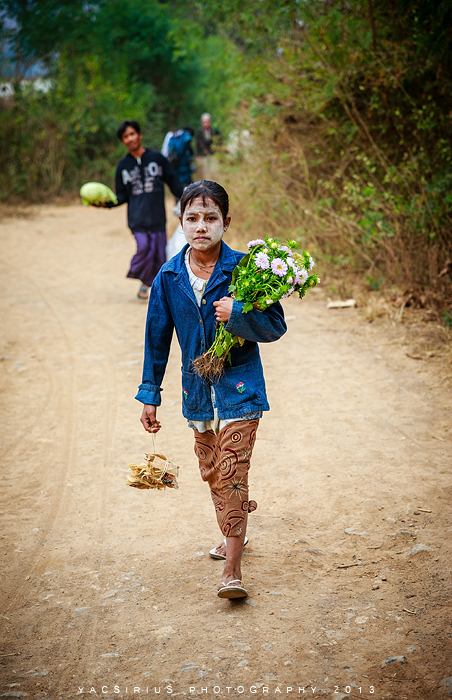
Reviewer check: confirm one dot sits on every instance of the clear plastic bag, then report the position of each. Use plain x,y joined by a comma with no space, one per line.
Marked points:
157,473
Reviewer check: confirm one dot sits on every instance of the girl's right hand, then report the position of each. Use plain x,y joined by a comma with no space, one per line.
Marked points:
149,418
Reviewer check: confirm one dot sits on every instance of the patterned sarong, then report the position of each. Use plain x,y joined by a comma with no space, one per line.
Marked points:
150,256
224,462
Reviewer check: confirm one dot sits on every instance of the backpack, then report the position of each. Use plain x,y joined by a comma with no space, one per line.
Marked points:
178,147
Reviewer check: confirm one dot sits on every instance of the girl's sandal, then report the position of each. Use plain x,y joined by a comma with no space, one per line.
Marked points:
216,555
143,292
233,589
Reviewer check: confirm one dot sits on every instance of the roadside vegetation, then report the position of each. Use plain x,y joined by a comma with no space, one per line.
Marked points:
342,112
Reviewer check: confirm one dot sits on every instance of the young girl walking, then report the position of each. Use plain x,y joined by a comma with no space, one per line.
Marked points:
190,295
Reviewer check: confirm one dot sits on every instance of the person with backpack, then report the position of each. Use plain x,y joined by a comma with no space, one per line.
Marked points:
180,154
164,149
206,140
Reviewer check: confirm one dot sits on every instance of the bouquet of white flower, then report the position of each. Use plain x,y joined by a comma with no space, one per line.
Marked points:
269,272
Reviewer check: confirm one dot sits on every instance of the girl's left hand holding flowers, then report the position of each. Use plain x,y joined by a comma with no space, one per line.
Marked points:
223,309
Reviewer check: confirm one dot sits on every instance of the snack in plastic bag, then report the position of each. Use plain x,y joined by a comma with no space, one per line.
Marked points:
158,473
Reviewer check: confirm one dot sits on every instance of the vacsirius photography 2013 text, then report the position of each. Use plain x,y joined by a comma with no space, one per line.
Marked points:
216,690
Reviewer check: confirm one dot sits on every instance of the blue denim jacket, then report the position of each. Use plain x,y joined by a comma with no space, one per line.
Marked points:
172,305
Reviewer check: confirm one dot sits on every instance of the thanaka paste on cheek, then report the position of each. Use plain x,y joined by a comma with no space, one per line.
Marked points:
203,234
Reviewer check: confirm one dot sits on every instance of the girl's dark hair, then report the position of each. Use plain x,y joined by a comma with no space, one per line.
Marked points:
124,125
205,189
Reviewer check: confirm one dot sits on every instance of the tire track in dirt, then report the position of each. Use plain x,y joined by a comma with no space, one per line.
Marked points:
10,446
66,401
59,493
84,645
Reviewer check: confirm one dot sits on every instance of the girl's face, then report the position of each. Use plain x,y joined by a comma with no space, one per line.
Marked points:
203,224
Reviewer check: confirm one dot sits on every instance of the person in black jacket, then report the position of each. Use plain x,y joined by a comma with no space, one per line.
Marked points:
140,178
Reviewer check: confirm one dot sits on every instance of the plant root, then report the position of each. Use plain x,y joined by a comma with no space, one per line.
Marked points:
209,366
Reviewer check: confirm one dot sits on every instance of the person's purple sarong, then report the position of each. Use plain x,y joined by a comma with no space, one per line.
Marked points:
149,257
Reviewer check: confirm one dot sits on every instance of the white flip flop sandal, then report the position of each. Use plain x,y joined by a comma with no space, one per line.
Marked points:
232,590
215,555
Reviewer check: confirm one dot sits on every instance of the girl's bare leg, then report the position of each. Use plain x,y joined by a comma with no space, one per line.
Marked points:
234,548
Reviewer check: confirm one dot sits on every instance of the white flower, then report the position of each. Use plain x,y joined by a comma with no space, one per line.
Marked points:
291,262
258,241
269,301
301,276
311,263
262,261
279,267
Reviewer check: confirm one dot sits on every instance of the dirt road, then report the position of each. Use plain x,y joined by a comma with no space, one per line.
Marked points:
106,590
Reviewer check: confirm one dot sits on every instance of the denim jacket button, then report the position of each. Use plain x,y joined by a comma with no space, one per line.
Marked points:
203,301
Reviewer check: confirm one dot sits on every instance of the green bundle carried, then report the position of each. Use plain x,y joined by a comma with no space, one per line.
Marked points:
269,272
97,193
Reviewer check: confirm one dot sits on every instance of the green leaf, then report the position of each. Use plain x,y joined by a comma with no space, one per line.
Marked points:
247,307
243,263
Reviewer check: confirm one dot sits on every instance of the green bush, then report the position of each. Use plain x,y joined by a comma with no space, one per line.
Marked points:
54,141
350,107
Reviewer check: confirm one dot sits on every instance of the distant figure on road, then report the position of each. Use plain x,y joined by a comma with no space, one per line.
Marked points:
180,153
140,178
164,150
206,136
206,140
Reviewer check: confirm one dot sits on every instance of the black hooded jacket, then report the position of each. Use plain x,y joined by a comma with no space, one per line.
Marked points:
139,182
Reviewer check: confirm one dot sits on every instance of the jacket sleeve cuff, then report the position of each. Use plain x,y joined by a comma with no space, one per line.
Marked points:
149,395
237,307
